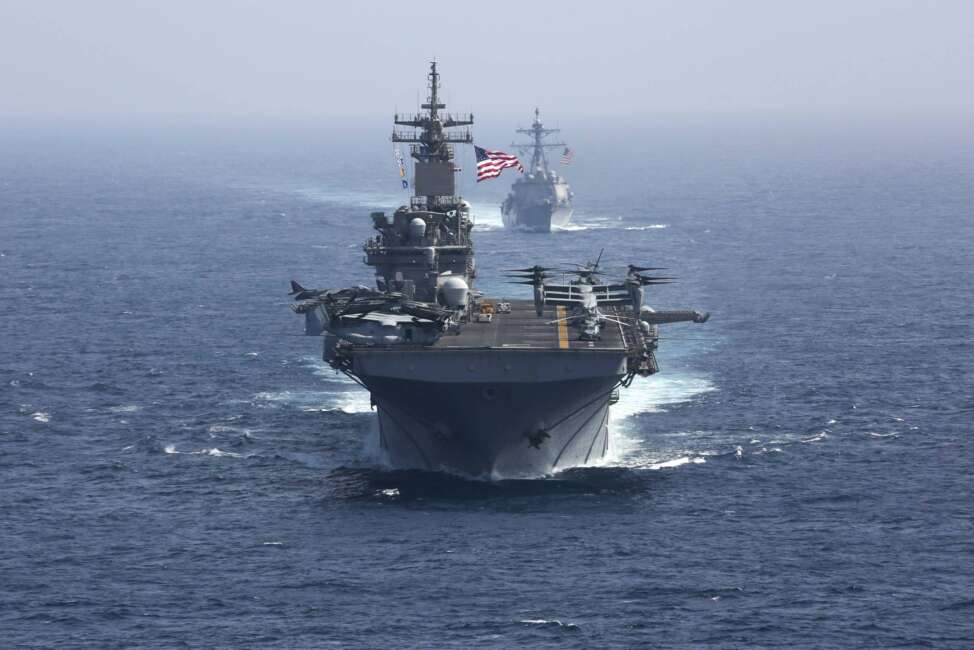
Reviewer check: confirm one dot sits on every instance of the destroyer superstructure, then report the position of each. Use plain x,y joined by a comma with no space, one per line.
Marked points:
541,198
469,384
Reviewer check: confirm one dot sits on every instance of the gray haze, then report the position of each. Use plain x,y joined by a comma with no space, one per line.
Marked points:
302,58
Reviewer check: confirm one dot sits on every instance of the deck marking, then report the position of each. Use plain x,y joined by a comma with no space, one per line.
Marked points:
562,328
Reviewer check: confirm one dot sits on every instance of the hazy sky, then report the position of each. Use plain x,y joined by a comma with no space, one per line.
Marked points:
303,58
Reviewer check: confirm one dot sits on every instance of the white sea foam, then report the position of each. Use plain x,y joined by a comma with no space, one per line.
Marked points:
581,225
628,446
124,408
652,394
547,622
213,451
220,453
767,450
606,225
340,393
218,429
677,462
41,416
486,216
351,400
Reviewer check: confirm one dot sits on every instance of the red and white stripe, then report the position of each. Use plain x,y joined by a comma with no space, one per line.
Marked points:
495,162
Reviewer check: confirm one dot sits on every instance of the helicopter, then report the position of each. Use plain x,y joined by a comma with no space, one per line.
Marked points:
588,292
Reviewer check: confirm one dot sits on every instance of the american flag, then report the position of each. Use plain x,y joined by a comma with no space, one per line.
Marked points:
567,156
490,163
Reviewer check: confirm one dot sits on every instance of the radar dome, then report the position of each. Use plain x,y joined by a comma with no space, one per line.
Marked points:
454,292
417,229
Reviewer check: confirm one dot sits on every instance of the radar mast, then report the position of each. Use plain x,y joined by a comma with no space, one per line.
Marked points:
537,146
431,143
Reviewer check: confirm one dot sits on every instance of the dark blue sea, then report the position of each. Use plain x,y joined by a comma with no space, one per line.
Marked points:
179,469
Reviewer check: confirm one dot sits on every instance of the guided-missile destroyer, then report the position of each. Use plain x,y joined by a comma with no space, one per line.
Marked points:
541,198
462,382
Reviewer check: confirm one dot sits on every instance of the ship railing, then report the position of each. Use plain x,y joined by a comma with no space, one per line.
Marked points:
453,120
420,150
398,135
463,136
448,120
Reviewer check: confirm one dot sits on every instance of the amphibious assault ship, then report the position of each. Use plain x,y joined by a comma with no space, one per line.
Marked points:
468,384
541,198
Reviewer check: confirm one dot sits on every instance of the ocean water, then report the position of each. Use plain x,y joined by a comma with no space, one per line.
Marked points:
179,469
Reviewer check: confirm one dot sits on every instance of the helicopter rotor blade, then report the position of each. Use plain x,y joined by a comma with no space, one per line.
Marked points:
653,279
639,269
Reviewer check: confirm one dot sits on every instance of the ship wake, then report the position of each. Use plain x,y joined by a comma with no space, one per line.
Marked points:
634,444
337,393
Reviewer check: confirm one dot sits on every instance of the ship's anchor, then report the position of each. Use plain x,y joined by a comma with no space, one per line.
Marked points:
535,439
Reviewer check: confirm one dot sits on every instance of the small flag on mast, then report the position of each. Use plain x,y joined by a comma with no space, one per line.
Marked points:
490,163
567,156
402,168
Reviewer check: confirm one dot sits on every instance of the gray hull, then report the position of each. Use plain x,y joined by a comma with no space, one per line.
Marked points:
485,429
537,218
478,412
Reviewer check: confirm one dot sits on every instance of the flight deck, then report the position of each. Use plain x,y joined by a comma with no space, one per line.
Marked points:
522,328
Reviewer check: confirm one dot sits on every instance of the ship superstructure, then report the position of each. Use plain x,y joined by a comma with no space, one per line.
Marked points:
474,385
429,238
541,198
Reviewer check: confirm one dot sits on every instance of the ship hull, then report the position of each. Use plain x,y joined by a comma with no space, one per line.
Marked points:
493,430
491,413
537,218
